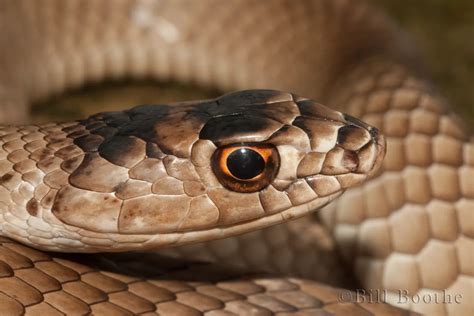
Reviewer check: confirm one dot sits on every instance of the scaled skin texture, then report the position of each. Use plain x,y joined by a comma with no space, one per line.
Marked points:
142,178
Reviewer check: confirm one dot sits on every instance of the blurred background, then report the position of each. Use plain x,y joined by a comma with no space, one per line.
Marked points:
443,31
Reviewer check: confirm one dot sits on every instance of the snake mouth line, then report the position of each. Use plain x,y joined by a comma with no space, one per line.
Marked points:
241,228
144,242
127,242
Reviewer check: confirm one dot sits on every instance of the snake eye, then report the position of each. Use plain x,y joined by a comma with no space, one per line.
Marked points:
245,163
246,167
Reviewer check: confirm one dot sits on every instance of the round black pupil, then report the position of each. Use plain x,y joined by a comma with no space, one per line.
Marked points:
245,163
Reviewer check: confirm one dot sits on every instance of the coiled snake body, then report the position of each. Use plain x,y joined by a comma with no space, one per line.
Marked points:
161,175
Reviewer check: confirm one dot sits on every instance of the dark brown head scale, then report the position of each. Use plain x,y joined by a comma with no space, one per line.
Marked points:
248,116
241,124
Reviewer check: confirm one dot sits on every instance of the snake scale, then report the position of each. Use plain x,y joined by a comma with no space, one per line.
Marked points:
160,175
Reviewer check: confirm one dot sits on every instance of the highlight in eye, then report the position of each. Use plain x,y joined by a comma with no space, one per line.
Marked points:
246,167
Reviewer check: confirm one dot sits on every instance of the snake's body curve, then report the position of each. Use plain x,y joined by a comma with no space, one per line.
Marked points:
409,228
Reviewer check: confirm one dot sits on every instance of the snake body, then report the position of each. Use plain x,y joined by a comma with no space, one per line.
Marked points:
142,178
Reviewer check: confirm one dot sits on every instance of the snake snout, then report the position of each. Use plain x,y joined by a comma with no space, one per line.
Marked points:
364,143
344,149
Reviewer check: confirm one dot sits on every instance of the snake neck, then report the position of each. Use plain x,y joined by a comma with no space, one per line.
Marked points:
35,161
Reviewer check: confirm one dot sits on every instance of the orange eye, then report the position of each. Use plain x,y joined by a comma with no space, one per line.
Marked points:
246,167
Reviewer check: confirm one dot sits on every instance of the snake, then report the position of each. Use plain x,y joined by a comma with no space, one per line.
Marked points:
184,208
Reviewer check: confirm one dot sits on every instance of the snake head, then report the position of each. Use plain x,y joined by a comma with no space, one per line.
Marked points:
295,156
164,175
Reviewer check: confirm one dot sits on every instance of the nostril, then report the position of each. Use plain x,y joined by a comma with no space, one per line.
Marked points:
374,132
352,137
350,160
340,161
347,133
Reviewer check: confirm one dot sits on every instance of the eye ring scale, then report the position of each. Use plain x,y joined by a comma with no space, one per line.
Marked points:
246,167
